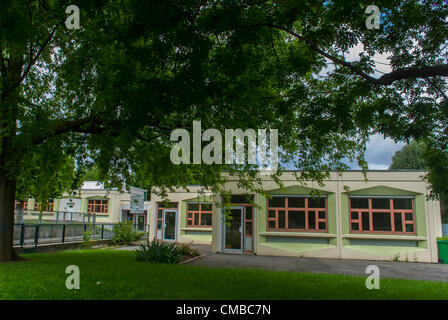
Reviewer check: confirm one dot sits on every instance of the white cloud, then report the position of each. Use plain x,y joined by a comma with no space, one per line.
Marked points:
379,152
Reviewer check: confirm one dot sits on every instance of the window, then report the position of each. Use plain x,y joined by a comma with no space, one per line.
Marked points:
241,199
297,214
167,205
25,205
49,207
98,206
382,215
199,214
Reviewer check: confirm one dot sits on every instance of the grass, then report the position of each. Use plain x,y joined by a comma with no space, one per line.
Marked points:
108,274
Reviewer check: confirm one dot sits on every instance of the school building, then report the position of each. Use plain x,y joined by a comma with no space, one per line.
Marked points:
385,217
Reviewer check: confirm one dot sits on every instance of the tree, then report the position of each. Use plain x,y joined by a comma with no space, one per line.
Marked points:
111,92
422,156
409,157
417,155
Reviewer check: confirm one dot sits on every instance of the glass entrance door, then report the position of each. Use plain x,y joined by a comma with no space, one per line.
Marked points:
141,223
169,230
233,235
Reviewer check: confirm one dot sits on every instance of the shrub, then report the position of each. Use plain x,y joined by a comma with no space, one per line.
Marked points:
124,233
159,252
186,250
87,241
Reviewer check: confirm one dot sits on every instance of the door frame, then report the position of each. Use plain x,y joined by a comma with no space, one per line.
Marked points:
164,225
136,222
223,229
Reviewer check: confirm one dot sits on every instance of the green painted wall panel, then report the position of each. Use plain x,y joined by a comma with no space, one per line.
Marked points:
381,191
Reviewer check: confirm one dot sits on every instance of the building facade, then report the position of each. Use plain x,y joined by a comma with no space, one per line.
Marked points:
385,217
91,203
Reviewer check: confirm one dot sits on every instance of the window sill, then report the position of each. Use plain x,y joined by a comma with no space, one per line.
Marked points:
196,229
298,234
383,237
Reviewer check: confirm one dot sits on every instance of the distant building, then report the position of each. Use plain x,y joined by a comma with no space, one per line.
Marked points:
92,203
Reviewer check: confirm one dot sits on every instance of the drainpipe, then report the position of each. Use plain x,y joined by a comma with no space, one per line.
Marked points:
339,242
429,234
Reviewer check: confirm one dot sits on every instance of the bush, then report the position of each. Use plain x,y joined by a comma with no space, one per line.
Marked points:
87,241
159,252
186,250
124,233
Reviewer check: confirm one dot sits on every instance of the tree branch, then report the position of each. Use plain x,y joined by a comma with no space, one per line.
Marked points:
386,79
91,125
39,52
3,63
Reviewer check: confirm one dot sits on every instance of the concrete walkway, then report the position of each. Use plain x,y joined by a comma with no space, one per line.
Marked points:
401,270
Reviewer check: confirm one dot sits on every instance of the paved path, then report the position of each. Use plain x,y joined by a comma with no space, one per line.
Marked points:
403,270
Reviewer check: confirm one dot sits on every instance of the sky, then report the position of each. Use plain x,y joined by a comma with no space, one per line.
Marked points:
379,152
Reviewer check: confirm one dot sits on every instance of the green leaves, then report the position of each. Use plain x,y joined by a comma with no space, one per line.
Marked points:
137,70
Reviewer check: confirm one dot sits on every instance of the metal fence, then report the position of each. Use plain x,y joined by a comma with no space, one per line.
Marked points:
55,217
35,234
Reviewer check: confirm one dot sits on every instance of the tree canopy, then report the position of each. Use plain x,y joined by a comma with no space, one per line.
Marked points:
111,92
411,156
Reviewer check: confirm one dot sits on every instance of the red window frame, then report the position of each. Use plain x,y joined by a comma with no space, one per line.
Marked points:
392,213
48,208
197,215
101,204
307,211
25,204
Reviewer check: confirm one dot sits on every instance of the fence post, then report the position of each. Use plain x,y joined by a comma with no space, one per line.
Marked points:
102,231
36,235
63,233
22,235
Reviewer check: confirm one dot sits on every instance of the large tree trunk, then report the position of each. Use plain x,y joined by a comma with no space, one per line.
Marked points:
7,199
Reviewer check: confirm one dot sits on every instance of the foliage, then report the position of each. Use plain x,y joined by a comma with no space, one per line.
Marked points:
437,162
124,233
159,252
409,157
111,92
241,66
186,250
424,156
87,241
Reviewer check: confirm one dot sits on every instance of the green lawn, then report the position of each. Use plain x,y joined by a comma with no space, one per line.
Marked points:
107,274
